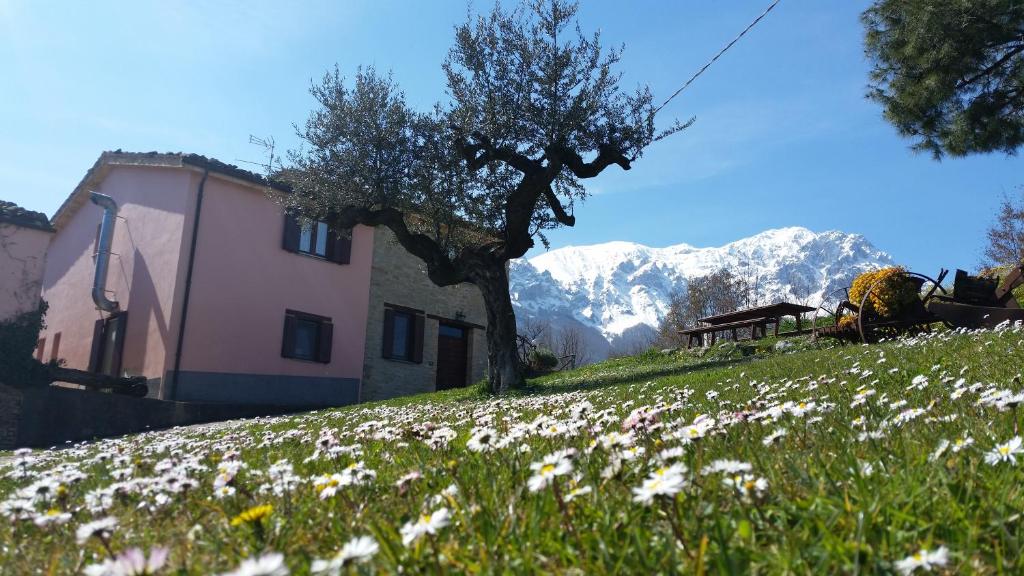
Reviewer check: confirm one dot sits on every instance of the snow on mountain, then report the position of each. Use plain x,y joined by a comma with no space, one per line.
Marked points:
618,292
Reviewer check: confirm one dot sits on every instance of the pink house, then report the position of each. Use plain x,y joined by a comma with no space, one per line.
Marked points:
181,269
24,237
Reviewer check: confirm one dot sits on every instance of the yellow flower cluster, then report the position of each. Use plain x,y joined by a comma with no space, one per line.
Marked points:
254,514
891,293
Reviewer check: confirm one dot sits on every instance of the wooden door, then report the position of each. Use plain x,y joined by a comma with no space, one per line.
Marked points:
452,356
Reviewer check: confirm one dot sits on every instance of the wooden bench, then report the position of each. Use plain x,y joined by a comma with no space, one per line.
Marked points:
756,325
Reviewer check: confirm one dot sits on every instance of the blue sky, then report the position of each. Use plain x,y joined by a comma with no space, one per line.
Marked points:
783,134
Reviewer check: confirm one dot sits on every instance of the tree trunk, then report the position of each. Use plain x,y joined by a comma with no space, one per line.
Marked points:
504,372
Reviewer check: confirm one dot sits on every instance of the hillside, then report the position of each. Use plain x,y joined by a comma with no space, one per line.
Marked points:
858,459
618,292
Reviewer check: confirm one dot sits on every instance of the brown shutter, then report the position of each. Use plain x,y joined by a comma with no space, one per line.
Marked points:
326,341
55,352
343,247
389,332
288,342
417,338
120,322
292,231
96,354
339,247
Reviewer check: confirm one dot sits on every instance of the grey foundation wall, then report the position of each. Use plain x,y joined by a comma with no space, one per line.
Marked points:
52,416
281,390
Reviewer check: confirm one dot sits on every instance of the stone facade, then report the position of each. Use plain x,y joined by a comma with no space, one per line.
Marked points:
399,279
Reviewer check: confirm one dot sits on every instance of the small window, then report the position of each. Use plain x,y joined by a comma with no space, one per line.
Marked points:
307,337
403,335
108,344
40,348
317,239
55,349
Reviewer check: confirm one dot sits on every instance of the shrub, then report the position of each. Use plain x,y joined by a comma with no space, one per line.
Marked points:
18,337
543,360
892,291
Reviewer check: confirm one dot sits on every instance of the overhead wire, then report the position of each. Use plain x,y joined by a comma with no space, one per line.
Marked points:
717,56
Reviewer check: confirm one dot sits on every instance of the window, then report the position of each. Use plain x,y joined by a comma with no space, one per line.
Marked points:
307,337
316,239
108,344
403,334
55,351
40,348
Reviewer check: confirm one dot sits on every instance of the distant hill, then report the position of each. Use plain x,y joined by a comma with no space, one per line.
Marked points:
618,292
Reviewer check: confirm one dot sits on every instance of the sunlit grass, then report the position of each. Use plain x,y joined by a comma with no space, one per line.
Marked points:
843,446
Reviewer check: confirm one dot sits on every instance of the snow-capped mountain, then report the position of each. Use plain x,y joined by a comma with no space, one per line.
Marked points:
618,292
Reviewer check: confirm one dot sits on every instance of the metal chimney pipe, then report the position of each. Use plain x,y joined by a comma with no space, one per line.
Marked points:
99,284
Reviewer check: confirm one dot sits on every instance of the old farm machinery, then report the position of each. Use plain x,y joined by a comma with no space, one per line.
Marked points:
893,302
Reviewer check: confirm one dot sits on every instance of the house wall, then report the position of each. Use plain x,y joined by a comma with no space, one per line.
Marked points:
22,262
400,278
153,206
243,281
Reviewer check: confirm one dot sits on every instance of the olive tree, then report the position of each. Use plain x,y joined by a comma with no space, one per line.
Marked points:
535,108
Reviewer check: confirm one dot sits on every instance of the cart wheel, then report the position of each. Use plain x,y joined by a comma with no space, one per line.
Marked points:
870,333
831,305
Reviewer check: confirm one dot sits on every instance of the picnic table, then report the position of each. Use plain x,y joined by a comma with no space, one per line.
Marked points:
757,319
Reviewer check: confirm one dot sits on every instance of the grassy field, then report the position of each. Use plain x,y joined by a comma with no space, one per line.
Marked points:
897,457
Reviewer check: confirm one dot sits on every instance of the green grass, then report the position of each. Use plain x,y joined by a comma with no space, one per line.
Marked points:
820,513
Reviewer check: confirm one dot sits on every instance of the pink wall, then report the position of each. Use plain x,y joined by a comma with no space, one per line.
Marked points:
244,281
22,261
154,205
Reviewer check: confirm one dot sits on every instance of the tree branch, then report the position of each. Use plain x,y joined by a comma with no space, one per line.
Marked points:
440,268
557,208
607,155
483,152
993,67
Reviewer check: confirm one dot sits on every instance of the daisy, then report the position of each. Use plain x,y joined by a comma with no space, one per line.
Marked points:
665,481
355,551
101,528
747,485
727,466
925,559
482,440
271,564
1005,452
552,466
51,516
131,562
425,524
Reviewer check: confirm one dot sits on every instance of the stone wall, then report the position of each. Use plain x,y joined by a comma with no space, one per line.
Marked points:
399,278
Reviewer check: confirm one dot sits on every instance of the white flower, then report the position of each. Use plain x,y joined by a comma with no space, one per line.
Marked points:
939,450
747,485
52,516
727,466
773,437
131,562
101,528
924,558
552,466
666,481
356,550
1005,452
425,524
482,440
271,564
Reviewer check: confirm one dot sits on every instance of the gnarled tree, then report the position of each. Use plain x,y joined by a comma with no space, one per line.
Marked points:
471,184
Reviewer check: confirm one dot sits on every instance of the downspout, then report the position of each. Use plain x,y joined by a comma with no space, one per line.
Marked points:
99,283
188,288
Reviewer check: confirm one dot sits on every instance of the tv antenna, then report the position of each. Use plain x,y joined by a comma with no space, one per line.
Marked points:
268,145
